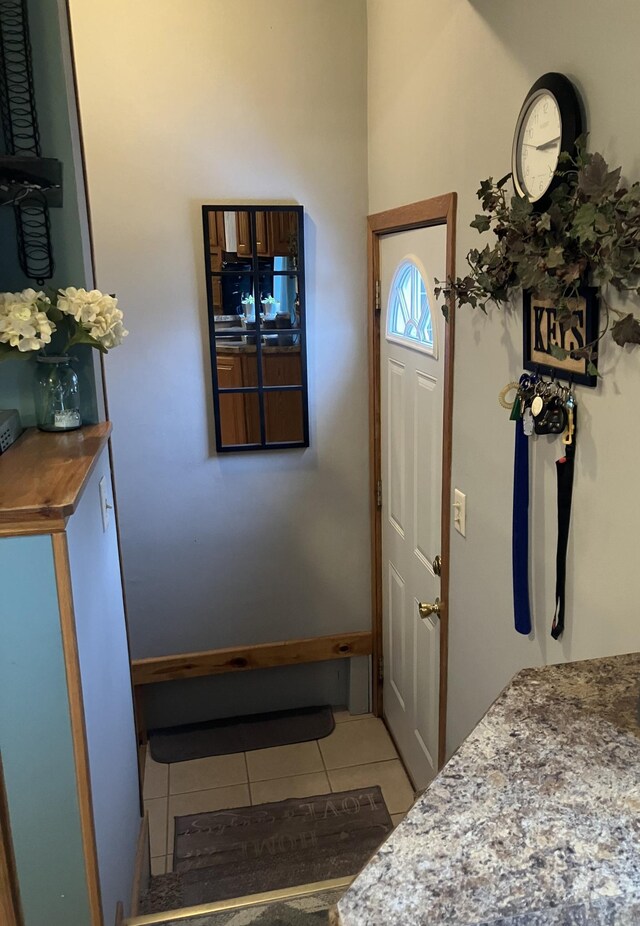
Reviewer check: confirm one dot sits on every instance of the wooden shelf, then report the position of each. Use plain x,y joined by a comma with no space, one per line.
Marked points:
43,475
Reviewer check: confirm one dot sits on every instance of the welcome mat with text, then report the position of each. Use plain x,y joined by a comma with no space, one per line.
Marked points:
248,850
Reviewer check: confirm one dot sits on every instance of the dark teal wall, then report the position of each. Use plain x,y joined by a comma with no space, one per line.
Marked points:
58,133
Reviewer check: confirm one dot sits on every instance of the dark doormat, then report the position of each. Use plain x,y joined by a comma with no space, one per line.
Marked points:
249,850
310,910
240,734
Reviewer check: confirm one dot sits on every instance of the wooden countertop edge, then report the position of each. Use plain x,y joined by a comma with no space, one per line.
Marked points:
54,501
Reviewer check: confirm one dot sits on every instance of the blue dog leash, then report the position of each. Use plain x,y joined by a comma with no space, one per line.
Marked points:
520,532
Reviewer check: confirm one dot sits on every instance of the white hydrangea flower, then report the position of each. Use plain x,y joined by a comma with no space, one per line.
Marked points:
22,322
96,312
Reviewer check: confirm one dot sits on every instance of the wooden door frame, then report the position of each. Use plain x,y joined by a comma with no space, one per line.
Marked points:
441,210
10,905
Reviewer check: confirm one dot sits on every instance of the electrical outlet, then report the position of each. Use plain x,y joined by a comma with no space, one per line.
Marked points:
105,506
460,512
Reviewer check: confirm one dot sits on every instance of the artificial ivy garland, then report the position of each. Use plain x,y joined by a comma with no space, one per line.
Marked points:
589,234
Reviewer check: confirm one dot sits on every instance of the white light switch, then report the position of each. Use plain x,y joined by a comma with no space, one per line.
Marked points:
105,506
460,512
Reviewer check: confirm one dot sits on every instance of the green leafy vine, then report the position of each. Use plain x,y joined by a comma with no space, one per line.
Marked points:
590,233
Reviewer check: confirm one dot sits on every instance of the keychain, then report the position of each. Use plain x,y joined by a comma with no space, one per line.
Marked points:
528,422
502,396
567,437
520,408
548,408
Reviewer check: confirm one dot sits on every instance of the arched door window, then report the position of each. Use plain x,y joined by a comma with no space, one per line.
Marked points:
409,320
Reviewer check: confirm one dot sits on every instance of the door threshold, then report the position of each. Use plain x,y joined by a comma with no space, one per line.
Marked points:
238,903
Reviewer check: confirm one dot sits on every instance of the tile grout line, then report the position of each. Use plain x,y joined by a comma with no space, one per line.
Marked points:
284,778
324,764
339,768
166,834
324,770
335,727
317,771
246,768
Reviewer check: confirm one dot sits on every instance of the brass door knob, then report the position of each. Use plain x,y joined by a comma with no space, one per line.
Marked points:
426,609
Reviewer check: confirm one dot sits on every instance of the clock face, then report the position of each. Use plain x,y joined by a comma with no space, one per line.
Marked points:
537,145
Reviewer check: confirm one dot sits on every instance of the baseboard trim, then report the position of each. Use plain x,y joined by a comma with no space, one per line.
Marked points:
244,658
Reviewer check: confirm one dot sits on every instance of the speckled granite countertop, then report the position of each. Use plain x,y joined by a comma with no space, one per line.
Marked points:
535,821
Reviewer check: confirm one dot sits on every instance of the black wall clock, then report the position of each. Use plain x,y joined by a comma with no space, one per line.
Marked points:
550,121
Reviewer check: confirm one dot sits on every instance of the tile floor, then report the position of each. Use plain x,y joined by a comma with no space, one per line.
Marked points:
358,753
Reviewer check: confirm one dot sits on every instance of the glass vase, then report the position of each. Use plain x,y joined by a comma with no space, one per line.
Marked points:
57,395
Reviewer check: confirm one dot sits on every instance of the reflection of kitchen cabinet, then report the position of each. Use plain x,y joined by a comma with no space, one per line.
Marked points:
283,233
216,289
216,247
216,230
281,367
283,416
243,225
240,412
276,235
262,237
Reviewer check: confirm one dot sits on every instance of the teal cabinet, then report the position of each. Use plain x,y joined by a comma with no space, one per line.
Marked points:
67,733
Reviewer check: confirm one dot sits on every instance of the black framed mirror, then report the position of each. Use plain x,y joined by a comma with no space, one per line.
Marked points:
254,266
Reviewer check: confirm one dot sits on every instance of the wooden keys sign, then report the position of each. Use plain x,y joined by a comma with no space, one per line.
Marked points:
542,330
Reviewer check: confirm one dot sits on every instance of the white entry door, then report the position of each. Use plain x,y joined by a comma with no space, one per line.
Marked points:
411,380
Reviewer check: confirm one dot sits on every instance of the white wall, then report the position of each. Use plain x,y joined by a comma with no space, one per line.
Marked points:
239,101
446,82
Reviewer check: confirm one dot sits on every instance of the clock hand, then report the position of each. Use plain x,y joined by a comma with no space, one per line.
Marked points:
547,144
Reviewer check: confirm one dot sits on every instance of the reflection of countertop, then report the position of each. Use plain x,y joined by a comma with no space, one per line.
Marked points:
251,349
533,822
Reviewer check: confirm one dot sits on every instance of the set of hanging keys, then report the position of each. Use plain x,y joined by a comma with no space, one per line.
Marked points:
545,407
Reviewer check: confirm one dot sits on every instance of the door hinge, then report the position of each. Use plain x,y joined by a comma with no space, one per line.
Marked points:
378,301
380,668
379,494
